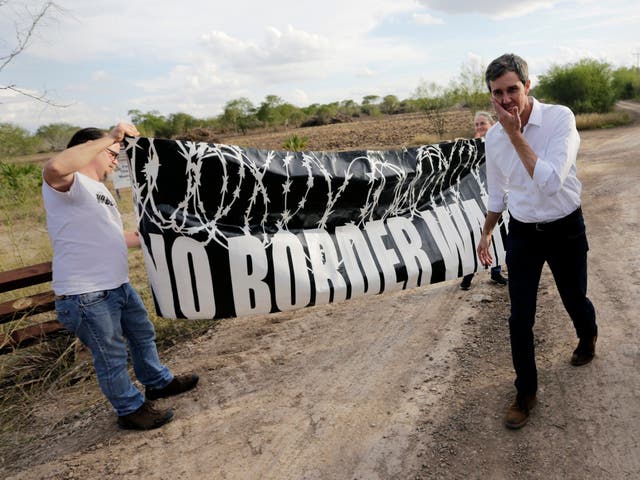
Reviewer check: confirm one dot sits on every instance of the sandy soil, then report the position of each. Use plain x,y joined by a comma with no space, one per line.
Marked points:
400,386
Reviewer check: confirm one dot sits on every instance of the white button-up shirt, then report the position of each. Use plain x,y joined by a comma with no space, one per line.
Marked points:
554,190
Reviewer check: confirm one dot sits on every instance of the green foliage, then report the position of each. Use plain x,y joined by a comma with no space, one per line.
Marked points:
626,83
349,108
469,88
585,86
295,143
15,176
239,115
268,112
20,185
151,124
390,104
15,141
56,136
370,105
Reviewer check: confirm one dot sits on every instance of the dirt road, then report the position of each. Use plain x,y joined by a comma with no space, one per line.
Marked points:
400,386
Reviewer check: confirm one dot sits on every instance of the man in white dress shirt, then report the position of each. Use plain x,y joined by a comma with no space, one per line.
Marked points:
531,156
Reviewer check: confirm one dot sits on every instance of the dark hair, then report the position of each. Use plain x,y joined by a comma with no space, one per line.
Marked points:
86,134
507,63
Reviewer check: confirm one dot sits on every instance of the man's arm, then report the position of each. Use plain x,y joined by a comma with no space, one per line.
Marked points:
132,239
484,252
58,171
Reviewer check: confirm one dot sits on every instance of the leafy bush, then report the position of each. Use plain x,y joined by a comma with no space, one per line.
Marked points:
626,83
584,87
18,178
295,143
55,136
15,141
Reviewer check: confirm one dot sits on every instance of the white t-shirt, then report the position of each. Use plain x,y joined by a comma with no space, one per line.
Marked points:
89,250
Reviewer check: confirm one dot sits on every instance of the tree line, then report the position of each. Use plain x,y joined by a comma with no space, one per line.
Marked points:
585,86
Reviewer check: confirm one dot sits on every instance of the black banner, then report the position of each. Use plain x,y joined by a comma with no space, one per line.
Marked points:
231,231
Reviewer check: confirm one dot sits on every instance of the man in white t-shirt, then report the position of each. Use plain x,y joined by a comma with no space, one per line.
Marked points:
531,166
94,299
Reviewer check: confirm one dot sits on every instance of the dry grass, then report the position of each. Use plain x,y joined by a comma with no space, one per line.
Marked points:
590,121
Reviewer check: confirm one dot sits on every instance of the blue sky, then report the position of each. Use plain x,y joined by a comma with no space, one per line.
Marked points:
193,56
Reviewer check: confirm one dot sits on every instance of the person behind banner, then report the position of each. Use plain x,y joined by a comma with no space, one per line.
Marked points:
482,121
94,299
532,153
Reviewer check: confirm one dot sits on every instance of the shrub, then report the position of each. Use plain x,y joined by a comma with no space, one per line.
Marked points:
295,143
626,83
584,87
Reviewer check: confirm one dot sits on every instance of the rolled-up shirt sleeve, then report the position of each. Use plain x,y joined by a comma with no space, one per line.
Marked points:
556,162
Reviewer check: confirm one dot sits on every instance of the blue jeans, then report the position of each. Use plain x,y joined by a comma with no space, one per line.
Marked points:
563,245
103,320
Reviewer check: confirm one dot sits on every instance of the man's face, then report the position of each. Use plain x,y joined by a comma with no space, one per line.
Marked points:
510,92
106,162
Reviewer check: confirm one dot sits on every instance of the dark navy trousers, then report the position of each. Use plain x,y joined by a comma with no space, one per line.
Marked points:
563,245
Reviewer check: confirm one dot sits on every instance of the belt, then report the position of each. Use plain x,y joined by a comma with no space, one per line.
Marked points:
548,226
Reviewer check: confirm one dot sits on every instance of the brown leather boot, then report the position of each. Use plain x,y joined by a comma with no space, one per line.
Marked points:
518,413
179,384
585,352
145,418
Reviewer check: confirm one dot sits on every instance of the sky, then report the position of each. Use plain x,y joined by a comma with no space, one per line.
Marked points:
194,56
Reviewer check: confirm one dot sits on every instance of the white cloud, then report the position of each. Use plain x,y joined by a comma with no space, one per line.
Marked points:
426,19
279,48
31,114
365,73
492,8
195,56
101,76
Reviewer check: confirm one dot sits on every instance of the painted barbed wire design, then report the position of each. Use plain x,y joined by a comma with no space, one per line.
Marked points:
211,191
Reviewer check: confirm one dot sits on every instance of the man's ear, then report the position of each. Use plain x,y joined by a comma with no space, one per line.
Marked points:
527,87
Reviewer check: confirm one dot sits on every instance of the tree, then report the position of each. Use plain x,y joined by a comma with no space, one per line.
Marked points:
626,82
289,114
349,108
56,136
180,123
584,86
15,141
268,112
433,99
26,25
390,104
470,88
370,105
239,114
151,124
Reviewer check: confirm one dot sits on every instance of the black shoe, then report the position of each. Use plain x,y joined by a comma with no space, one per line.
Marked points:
585,352
179,384
466,282
498,278
145,418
